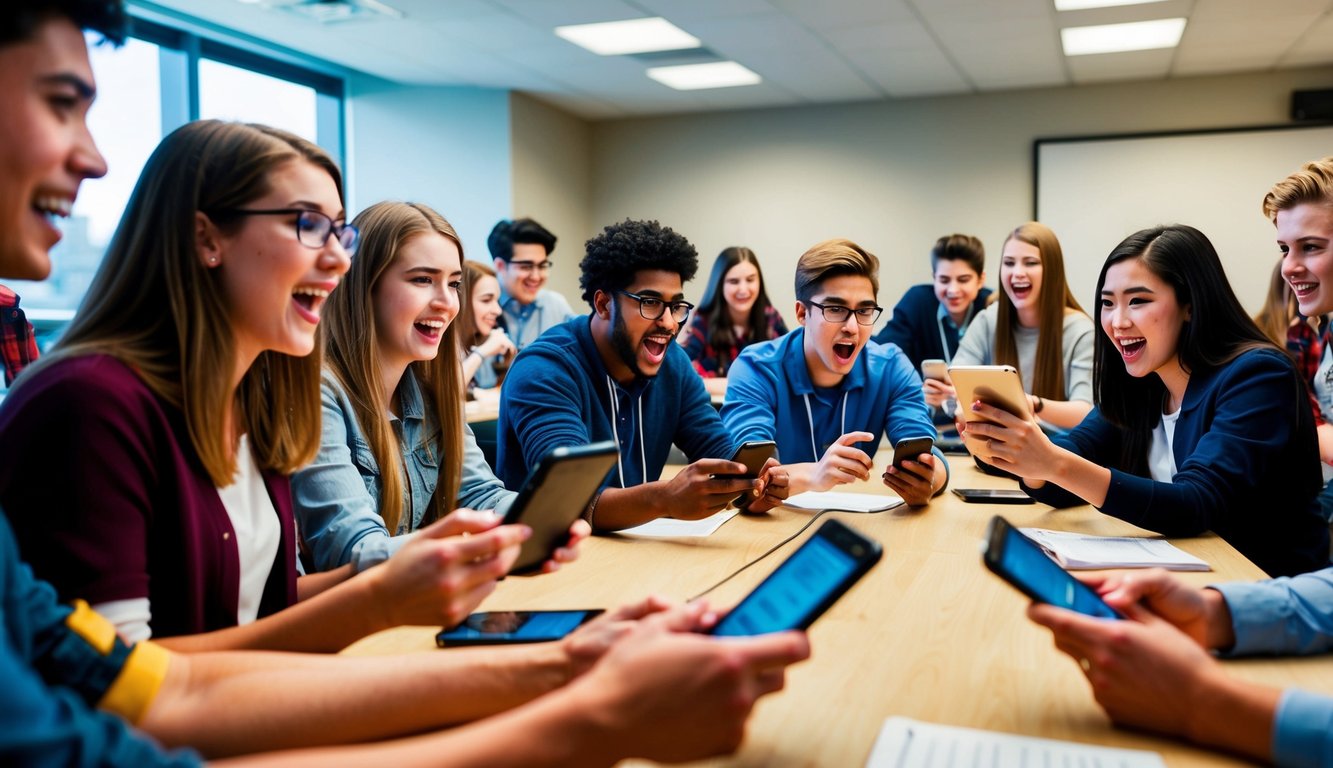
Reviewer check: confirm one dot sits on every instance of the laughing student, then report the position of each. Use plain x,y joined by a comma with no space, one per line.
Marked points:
826,393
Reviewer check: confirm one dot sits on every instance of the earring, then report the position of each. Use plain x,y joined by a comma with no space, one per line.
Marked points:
212,261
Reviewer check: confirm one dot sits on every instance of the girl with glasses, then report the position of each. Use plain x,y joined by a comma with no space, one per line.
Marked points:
1036,326
167,421
395,453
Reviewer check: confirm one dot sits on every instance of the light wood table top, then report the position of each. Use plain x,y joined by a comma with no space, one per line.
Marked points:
929,633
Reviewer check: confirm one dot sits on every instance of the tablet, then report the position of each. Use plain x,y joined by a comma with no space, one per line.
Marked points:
555,494
997,385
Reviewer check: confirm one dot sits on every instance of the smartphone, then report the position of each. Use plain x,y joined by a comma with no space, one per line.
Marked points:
909,448
997,385
1019,561
993,496
805,585
935,369
555,494
753,454
509,627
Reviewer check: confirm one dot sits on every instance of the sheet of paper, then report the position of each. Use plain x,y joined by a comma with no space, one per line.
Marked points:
669,528
1077,550
844,502
905,743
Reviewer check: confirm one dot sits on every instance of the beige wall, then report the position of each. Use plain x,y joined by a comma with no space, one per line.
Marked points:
891,175
552,183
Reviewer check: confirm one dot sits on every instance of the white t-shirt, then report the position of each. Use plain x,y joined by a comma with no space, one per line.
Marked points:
1161,457
258,535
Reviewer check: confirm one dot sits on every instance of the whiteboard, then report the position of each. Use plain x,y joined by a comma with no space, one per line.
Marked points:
1095,192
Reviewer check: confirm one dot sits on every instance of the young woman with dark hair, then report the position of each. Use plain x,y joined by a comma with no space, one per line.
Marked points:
1202,422
734,313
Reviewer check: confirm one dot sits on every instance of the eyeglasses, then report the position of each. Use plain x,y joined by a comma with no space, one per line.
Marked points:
836,313
312,227
652,308
527,267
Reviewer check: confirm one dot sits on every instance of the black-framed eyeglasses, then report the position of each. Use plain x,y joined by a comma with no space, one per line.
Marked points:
652,308
312,227
837,313
525,267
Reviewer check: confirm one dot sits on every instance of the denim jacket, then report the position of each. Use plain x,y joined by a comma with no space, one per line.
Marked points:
337,496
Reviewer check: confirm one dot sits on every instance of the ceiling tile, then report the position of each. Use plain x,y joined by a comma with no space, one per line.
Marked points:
1134,65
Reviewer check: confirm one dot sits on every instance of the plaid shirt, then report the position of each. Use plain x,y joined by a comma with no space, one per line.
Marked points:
18,348
711,362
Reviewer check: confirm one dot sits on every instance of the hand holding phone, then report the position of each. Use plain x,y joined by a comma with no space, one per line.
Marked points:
753,454
909,448
555,495
807,583
1018,560
935,370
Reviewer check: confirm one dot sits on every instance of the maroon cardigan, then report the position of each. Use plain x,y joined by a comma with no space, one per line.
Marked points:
109,500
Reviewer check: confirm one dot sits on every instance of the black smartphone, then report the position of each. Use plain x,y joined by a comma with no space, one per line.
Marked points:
1019,561
993,496
753,454
805,585
509,627
909,448
556,492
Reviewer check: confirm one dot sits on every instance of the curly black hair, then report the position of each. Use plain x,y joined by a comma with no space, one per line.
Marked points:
19,19
621,250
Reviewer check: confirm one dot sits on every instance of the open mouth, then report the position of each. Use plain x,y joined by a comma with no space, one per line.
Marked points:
51,207
1304,288
1020,290
308,300
843,351
431,329
1131,347
656,347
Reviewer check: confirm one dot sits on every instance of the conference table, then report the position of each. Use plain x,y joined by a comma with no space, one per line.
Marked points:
928,634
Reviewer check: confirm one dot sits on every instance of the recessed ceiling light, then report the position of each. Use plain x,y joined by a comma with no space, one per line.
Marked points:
1079,5
615,38
1117,38
693,77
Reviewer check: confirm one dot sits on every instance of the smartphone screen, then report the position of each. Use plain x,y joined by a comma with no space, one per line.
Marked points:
1022,563
500,627
805,585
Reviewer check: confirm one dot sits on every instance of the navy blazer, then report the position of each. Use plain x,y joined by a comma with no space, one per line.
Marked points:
915,327
1247,462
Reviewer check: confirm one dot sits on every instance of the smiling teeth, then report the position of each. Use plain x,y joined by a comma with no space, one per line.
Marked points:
1303,287
431,323
311,291
59,206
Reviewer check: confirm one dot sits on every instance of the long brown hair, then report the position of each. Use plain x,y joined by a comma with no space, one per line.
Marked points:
351,344
1279,310
153,306
1048,380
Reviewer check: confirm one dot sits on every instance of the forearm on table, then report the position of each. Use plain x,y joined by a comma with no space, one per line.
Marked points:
618,508
229,703
1086,479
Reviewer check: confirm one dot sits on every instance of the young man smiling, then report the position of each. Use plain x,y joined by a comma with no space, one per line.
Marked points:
618,375
826,393
521,250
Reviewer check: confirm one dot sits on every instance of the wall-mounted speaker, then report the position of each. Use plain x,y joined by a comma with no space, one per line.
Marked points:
1312,105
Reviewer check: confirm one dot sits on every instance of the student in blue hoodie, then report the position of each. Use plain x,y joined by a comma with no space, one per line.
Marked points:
617,374
828,394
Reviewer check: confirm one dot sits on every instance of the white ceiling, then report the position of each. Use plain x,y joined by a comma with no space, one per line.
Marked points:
807,51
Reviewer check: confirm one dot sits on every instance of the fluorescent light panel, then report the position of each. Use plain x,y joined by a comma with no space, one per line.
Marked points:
616,38
694,77
1118,38
1079,5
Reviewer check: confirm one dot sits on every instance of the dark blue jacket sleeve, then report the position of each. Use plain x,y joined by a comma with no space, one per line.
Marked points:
1094,439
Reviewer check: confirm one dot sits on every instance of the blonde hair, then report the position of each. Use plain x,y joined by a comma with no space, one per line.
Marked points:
1048,380
1313,183
154,307
468,334
351,345
832,258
